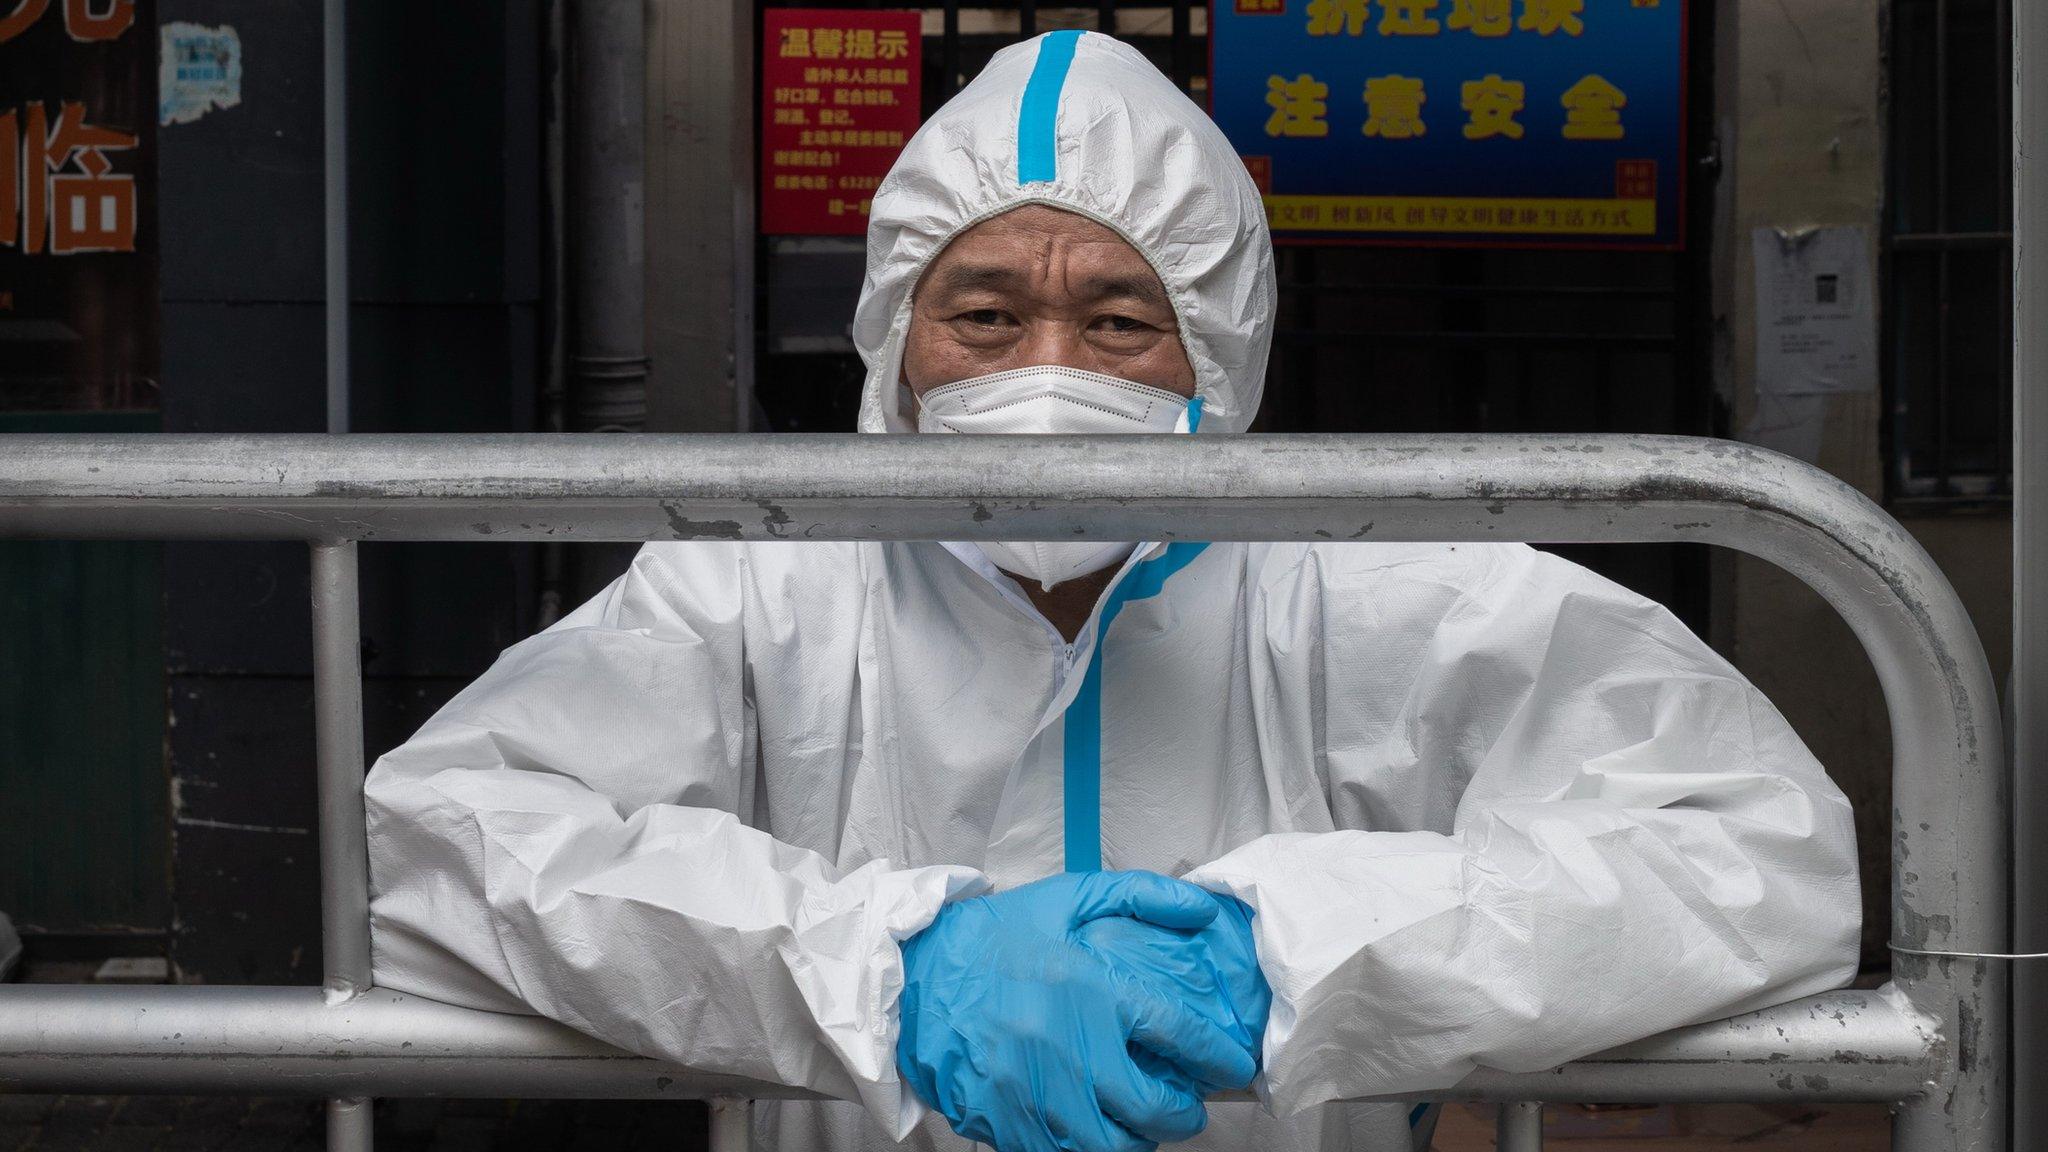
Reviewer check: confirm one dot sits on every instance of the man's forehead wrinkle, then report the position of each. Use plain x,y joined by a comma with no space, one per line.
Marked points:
1011,264
1058,265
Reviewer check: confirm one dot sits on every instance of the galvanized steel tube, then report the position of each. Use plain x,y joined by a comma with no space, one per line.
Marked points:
1520,1127
338,736
2029,684
1853,1045
730,1122
350,1125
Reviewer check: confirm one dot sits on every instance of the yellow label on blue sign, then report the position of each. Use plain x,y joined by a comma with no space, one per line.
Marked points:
1458,121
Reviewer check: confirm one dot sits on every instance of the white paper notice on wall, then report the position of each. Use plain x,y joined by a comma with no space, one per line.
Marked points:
1816,324
199,69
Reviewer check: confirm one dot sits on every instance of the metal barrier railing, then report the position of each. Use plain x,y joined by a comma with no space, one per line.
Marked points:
1933,1042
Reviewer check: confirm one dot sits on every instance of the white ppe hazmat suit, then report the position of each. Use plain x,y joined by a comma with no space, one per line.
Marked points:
1489,809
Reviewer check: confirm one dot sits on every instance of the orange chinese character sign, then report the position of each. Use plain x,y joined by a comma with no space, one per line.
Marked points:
86,210
83,22
78,124
830,129
25,13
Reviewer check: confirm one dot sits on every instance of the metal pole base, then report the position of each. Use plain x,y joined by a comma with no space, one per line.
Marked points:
348,1124
1521,1127
730,1120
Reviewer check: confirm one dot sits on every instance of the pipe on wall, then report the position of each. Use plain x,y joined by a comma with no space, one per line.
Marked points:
606,191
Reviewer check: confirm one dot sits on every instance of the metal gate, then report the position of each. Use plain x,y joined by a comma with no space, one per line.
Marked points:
1933,1042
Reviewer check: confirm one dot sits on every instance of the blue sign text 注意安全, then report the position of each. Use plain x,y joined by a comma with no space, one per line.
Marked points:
1466,121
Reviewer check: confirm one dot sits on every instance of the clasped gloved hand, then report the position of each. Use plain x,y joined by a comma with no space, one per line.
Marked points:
1029,1039
1213,969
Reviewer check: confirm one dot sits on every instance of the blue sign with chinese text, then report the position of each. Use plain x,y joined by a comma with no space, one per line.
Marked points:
1458,121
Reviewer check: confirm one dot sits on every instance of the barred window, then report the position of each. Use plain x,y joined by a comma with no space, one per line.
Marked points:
1948,252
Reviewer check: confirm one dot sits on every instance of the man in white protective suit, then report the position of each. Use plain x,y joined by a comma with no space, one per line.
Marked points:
1015,840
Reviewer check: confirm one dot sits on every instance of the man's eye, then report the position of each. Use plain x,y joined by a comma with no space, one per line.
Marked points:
986,317
1124,324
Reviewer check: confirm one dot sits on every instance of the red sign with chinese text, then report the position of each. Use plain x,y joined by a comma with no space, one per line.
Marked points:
1635,179
839,97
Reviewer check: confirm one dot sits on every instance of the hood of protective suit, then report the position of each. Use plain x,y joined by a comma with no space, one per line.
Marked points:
1079,121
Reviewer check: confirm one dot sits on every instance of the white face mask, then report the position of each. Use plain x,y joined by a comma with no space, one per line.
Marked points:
1051,399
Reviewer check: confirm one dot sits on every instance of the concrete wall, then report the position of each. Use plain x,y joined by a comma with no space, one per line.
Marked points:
1800,95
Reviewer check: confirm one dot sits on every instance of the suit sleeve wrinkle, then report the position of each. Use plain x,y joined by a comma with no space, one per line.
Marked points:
1642,843
565,832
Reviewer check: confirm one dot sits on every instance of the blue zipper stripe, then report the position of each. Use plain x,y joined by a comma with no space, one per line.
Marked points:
1037,121
1082,742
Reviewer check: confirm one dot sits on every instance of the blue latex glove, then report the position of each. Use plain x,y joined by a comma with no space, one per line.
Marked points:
1023,1037
1214,970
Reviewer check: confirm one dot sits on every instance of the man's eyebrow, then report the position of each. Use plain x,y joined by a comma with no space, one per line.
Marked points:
1144,289
968,277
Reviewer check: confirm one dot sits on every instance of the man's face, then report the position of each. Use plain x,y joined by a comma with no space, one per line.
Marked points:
1037,285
